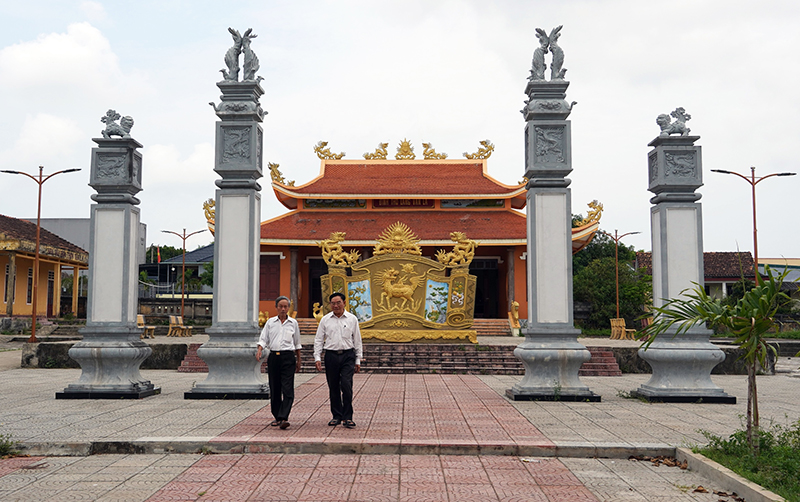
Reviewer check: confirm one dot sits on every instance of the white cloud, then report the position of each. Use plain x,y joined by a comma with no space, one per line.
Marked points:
94,11
44,138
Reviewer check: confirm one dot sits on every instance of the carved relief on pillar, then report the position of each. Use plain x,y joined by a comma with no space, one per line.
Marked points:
652,162
549,144
236,144
681,164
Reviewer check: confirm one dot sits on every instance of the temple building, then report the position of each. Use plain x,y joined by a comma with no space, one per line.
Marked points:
433,197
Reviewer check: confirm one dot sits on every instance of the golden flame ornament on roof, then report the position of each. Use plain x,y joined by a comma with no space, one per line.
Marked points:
405,151
397,238
430,154
483,153
380,153
325,153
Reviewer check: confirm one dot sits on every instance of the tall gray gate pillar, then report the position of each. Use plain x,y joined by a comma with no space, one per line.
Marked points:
550,353
233,372
681,363
111,350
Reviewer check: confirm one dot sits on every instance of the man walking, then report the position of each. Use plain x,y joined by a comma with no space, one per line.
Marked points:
339,335
281,338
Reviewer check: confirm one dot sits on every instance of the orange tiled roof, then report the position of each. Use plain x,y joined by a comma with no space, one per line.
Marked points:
367,179
312,226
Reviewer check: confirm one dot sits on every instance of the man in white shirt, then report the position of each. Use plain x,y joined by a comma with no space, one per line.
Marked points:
338,333
281,338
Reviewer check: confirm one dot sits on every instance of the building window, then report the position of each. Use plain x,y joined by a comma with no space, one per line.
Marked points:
30,286
269,277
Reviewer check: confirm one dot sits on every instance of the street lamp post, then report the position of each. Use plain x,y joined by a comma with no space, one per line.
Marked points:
616,239
183,265
753,181
40,181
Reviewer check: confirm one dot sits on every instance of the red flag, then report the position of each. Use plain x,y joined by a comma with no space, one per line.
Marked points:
158,251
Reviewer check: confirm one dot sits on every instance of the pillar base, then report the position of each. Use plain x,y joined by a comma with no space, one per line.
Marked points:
682,367
110,358
108,395
552,360
233,372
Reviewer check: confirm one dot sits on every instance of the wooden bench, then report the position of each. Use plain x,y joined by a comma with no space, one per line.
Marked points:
149,331
619,331
177,328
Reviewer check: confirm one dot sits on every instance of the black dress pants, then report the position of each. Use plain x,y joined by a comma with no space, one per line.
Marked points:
339,369
280,368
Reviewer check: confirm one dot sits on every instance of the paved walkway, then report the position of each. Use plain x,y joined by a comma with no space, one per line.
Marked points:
419,437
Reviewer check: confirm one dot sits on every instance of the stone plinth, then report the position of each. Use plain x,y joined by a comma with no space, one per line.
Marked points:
234,372
111,350
681,363
551,353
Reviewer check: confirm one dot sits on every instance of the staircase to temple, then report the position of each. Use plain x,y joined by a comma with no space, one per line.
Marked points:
602,363
409,358
484,327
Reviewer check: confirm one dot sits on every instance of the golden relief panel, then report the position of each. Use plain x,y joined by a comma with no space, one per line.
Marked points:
399,295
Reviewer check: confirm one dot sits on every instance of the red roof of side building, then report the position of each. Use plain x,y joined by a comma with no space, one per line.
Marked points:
375,179
716,265
431,227
21,235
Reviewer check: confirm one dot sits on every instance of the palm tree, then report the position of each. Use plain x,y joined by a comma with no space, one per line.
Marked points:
748,320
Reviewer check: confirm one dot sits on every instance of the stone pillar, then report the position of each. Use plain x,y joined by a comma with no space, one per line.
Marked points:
293,279
551,352
233,372
111,351
682,363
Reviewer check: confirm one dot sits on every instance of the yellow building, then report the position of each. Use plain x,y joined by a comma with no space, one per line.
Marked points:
17,258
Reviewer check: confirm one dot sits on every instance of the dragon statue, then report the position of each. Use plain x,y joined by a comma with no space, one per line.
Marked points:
430,154
483,153
463,252
334,254
323,152
380,153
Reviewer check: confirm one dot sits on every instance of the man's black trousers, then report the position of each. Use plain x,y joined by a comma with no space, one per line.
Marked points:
280,368
340,365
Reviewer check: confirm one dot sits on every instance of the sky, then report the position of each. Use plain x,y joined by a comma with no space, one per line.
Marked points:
452,73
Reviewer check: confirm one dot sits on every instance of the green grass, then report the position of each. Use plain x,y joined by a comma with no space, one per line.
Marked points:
7,446
776,467
596,333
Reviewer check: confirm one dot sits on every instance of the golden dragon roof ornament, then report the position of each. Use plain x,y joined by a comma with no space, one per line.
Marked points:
211,214
405,151
397,238
595,211
483,153
379,154
276,175
325,153
430,154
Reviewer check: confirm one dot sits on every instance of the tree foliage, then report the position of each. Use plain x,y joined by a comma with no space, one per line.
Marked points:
594,281
167,252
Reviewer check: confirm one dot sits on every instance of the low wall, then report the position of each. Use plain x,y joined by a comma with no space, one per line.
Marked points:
55,355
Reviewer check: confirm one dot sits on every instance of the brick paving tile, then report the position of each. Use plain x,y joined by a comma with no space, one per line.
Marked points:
12,464
571,493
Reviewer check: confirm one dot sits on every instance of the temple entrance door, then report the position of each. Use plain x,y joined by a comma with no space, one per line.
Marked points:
316,269
486,293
